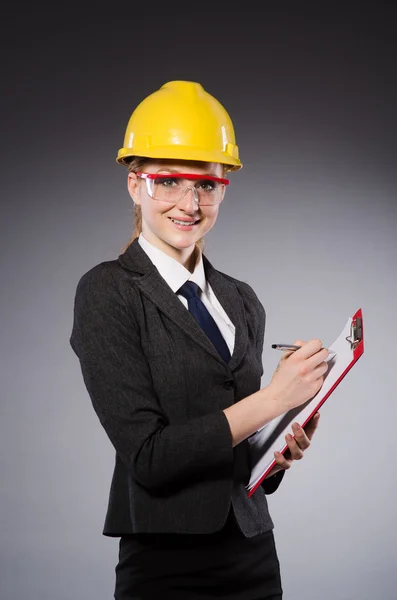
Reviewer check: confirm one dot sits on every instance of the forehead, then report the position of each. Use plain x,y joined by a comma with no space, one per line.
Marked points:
183,166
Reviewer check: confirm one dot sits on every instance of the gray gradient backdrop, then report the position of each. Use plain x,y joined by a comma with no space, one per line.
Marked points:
309,222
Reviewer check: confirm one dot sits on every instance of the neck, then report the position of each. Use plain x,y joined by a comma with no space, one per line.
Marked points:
186,256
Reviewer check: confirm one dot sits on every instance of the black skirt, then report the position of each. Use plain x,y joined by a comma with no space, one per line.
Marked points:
224,564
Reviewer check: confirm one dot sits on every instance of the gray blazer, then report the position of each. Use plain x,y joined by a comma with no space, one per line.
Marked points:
159,387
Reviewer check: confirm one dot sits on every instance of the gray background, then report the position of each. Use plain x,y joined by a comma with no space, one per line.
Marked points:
309,222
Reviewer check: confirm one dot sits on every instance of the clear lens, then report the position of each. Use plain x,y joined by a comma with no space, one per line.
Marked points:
172,189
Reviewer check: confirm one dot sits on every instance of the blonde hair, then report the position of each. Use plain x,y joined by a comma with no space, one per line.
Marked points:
136,164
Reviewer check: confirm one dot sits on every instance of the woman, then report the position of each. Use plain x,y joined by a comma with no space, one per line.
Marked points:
171,354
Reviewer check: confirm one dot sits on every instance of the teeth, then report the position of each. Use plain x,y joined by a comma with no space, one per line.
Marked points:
183,222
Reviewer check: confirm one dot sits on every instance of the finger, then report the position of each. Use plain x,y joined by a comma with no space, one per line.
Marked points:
282,461
299,343
287,353
301,437
317,358
309,349
320,370
296,452
312,425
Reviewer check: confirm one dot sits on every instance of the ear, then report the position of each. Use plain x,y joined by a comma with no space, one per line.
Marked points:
133,187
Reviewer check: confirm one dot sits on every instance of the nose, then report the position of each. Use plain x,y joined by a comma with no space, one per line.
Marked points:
189,199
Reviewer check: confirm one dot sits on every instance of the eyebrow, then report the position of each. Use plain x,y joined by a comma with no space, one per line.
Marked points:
201,175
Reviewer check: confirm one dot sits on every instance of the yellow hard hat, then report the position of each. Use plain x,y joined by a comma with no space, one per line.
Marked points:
182,121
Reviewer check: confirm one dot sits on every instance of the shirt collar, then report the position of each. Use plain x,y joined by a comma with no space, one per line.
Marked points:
174,273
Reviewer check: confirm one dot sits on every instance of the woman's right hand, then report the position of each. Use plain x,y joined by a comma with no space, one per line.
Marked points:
298,378
299,375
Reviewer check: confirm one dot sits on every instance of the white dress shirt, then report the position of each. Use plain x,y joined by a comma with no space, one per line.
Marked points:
175,274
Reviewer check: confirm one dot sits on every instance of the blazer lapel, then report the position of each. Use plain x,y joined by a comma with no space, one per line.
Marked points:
154,287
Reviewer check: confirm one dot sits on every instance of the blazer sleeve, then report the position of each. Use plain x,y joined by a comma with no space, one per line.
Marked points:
106,339
271,484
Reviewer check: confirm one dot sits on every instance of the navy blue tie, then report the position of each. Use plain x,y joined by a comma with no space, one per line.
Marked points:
197,308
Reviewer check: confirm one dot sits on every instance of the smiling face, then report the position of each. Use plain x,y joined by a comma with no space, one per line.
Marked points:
157,226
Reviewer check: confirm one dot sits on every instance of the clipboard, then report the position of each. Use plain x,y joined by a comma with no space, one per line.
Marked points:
348,348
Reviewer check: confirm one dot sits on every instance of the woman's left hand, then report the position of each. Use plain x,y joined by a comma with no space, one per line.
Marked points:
296,446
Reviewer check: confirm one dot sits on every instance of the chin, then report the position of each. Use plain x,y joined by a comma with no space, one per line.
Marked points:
180,243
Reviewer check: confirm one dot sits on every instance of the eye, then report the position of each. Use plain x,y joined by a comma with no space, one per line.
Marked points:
167,181
208,185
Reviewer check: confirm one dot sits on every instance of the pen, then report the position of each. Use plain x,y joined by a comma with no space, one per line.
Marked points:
285,347
291,347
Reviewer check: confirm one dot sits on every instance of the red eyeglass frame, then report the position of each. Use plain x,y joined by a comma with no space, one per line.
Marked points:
182,176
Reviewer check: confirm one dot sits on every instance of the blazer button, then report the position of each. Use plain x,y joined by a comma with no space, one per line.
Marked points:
229,384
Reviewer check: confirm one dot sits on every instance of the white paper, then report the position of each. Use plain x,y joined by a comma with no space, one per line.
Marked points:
271,437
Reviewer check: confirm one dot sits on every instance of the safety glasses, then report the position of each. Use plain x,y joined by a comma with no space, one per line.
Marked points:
171,187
